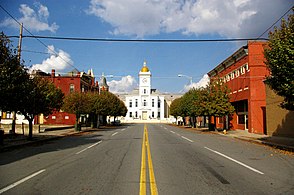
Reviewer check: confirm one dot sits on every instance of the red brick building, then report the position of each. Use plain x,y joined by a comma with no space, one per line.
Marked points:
244,73
72,81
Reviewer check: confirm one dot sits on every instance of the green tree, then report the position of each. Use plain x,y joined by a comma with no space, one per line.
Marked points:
175,108
78,103
13,78
280,61
42,97
217,103
191,104
108,104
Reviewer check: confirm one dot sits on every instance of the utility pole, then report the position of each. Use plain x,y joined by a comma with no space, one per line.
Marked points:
18,58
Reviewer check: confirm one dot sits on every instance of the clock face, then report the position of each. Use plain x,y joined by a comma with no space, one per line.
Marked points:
144,80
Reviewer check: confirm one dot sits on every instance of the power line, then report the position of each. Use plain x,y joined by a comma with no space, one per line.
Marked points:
275,22
33,36
138,40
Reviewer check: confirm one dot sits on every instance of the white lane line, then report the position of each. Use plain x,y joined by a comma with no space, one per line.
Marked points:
238,162
165,128
21,181
187,139
114,134
89,147
178,134
172,132
122,129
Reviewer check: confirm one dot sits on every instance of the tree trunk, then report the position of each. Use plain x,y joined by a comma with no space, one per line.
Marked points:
30,128
214,120
13,123
77,125
98,121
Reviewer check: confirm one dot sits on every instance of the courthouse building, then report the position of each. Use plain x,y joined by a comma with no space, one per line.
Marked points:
145,104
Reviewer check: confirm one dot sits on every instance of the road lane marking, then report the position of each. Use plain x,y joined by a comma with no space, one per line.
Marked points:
187,139
153,187
143,181
114,134
89,147
143,167
122,129
172,132
238,162
21,181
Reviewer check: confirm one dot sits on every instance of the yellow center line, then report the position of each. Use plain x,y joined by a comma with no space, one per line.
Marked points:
153,187
143,168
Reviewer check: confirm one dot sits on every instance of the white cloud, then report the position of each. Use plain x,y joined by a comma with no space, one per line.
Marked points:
201,83
34,20
226,18
126,84
59,62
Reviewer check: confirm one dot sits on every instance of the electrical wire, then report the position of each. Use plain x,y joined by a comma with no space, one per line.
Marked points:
138,40
33,36
275,22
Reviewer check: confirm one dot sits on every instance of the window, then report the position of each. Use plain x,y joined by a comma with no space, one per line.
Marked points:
136,114
158,115
130,103
152,114
71,88
6,115
242,70
158,103
228,77
136,103
246,67
241,119
237,73
232,75
144,91
144,103
131,114
152,102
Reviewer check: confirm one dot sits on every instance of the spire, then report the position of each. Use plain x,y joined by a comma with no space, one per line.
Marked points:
145,68
103,83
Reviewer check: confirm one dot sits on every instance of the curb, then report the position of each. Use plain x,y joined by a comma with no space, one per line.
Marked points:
274,145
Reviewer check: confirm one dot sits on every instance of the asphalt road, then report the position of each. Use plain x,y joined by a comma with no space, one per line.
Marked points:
151,159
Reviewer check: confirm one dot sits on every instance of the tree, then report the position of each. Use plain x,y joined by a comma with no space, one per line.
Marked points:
175,108
217,103
108,104
42,97
78,103
191,104
13,78
279,59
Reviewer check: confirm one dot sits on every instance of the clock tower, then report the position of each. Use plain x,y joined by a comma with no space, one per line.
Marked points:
144,81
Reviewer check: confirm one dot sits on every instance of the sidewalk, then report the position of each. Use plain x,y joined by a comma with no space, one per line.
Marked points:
283,143
19,140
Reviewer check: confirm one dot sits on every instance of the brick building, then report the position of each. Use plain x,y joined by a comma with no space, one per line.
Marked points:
244,73
72,81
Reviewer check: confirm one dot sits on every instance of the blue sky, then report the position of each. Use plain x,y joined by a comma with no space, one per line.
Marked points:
138,19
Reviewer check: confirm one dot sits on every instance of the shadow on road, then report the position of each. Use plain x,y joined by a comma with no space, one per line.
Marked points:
54,143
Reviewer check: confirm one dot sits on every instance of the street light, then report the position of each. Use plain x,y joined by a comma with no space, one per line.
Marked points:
190,78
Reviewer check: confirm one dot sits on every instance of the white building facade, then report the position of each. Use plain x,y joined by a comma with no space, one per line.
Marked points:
145,104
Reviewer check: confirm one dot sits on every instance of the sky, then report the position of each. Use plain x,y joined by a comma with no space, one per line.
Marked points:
137,20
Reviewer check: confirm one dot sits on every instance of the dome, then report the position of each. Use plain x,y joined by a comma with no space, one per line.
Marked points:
145,68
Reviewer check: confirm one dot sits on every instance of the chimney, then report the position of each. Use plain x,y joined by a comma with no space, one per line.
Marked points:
53,73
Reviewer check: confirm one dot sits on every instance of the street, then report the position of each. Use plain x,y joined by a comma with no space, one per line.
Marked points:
146,159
